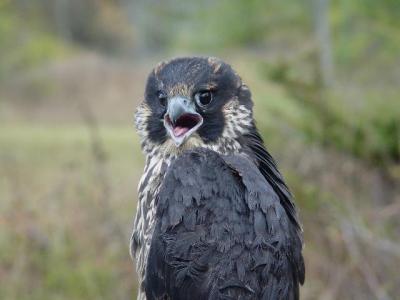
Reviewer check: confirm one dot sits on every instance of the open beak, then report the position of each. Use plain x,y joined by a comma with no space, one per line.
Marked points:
181,119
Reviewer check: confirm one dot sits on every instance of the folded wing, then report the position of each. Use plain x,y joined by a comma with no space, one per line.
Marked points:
222,233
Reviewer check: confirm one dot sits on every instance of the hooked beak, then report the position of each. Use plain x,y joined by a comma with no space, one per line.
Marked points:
181,119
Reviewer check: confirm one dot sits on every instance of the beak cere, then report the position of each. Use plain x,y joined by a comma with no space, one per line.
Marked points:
181,119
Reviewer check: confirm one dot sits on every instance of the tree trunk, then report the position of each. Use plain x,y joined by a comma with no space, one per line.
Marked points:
62,18
323,39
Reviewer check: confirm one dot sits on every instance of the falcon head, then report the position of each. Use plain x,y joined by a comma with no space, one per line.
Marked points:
194,102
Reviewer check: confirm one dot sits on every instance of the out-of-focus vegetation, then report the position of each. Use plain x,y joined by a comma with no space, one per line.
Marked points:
327,103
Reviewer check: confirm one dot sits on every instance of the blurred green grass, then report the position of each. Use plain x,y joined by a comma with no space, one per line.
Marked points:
60,238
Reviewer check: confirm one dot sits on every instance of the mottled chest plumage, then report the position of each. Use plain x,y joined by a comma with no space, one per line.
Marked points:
149,185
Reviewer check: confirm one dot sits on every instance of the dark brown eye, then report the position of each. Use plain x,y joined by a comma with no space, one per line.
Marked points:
203,98
162,97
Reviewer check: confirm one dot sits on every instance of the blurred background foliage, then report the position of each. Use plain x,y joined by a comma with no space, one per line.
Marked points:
325,78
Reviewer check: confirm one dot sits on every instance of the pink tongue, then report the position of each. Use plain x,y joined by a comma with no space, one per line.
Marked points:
178,131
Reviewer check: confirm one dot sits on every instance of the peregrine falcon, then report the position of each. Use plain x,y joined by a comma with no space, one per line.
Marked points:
215,219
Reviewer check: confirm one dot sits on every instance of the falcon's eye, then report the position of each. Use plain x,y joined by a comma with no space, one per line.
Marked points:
203,98
162,97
